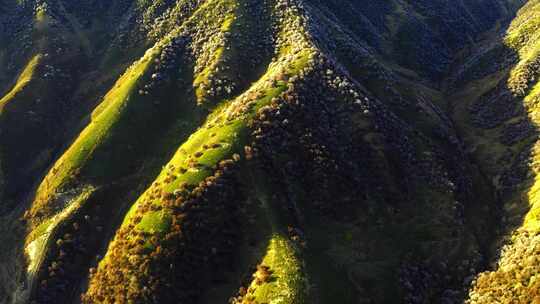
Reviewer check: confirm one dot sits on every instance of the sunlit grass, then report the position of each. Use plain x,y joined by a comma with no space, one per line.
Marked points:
287,283
103,120
524,38
26,76
222,136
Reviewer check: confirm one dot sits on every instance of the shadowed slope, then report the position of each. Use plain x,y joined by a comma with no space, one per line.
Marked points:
506,114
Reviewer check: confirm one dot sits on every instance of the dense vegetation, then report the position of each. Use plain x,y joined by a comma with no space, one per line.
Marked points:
269,151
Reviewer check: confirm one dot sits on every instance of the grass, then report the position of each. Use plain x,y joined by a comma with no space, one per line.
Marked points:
532,218
519,37
40,238
103,120
229,138
124,116
222,136
155,222
42,21
287,284
201,82
288,280
110,121
522,205
24,78
524,39
100,155
229,133
216,44
227,69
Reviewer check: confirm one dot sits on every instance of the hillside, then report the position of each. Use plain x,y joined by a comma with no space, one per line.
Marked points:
269,151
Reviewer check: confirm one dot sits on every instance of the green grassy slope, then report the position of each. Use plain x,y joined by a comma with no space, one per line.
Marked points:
221,138
26,75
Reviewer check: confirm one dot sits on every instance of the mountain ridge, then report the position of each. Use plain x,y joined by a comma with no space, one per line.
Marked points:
241,127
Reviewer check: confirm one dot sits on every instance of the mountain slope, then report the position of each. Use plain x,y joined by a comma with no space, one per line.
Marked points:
270,151
504,113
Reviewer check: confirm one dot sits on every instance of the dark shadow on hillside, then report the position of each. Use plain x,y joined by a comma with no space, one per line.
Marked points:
145,148
499,137
149,136
481,205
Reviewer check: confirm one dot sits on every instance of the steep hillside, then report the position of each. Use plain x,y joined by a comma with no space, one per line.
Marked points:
497,110
268,151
